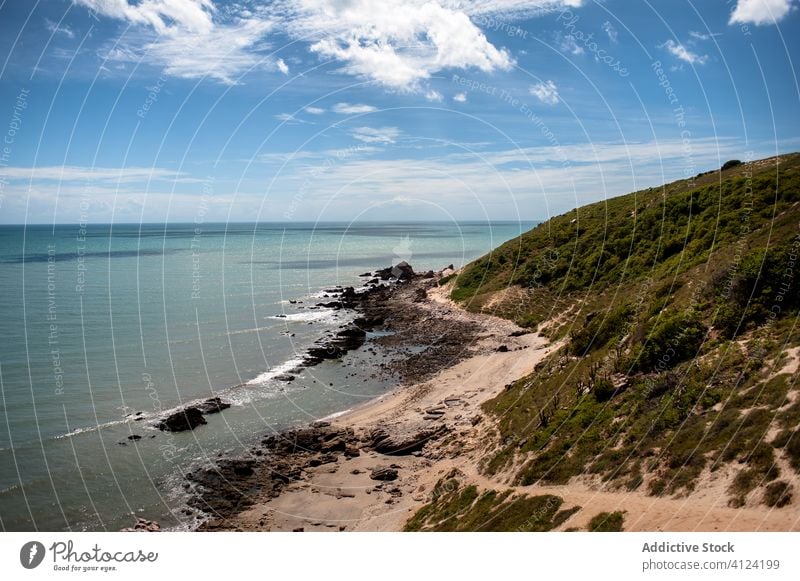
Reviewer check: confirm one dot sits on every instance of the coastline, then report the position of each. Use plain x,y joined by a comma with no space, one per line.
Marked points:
373,467
319,477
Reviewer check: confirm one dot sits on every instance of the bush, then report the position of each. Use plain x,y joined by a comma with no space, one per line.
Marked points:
778,494
603,389
731,164
674,339
607,522
599,329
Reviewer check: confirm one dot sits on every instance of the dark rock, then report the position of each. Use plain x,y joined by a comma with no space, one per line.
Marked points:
213,405
315,355
243,467
323,459
143,526
384,474
187,419
502,349
403,443
366,274
352,452
285,377
420,295
403,271
334,445
134,437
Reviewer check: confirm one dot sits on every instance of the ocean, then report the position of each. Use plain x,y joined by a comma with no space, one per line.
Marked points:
105,328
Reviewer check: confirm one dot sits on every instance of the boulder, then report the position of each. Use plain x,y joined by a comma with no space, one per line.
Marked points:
213,405
403,442
143,526
351,452
384,474
181,421
403,271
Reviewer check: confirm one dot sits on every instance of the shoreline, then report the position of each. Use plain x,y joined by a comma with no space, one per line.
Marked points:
372,467
327,466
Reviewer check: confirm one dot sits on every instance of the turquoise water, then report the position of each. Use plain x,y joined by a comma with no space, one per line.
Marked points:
101,322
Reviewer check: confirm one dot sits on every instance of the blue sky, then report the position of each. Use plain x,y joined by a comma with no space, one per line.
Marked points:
201,110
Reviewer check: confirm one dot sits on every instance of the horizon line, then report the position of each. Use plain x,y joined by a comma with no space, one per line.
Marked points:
245,222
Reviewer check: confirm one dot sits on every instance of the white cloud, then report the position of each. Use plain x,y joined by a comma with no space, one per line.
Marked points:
352,109
609,29
567,44
546,92
432,95
291,119
183,37
467,184
460,98
395,43
699,35
515,8
162,15
399,43
681,52
69,173
314,110
59,28
376,134
760,12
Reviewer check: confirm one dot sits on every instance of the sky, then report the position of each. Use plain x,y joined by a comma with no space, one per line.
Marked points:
360,110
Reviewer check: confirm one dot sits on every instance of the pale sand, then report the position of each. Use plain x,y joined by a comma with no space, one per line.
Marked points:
333,498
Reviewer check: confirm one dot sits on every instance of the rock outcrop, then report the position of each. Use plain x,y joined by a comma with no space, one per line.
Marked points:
403,442
183,420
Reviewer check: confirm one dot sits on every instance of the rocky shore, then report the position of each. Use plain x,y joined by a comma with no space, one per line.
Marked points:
374,462
386,303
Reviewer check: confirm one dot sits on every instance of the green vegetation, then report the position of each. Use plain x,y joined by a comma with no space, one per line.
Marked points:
456,508
731,164
607,522
778,494
676,305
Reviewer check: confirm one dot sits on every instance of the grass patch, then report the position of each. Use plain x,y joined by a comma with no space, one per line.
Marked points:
778,494
607,522
463,509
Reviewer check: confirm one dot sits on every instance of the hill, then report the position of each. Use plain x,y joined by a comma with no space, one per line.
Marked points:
676,311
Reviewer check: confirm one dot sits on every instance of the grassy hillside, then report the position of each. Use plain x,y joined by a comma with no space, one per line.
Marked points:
678,311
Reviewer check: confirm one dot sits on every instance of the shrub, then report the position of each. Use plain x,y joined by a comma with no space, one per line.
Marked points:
599,330
731,164
607,522
674,339
603,389
778,494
